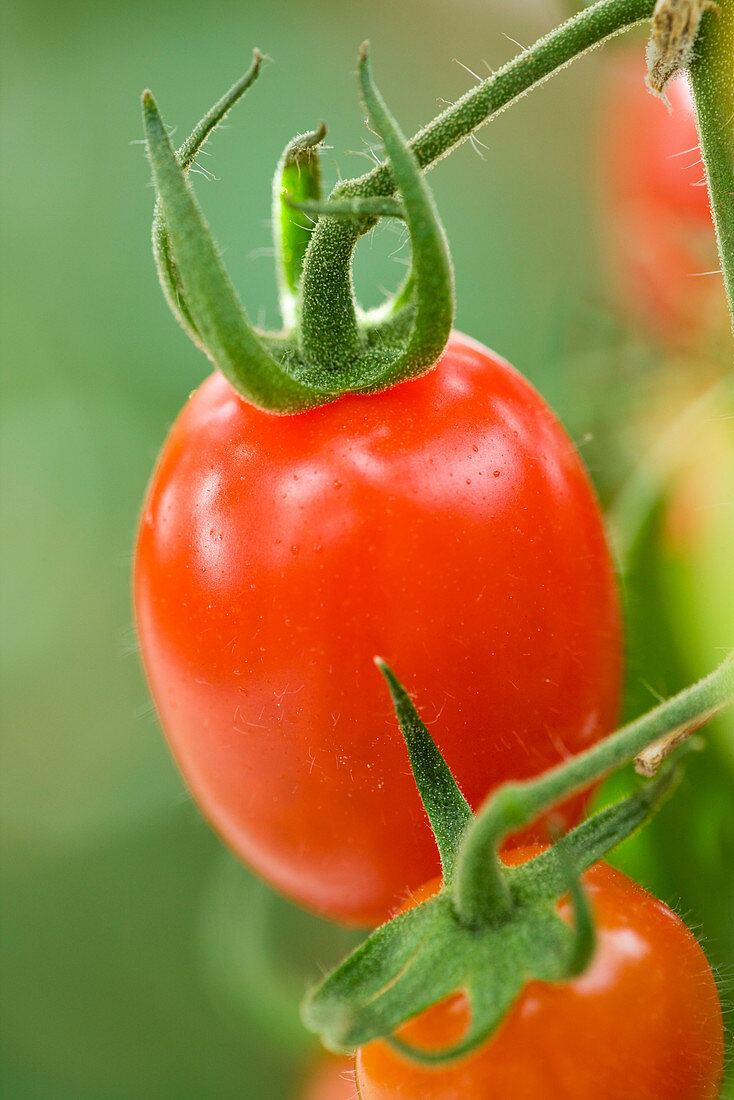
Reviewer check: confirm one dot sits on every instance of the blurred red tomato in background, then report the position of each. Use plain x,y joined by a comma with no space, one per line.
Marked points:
655,205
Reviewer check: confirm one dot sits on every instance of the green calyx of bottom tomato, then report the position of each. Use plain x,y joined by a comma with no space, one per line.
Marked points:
327,347
492,928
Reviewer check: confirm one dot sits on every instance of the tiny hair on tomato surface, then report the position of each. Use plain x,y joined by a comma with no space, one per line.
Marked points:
414,497
643,1022
330,1078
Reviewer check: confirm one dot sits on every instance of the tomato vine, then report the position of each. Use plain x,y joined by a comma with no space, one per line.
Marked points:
712,81
327,347
491,927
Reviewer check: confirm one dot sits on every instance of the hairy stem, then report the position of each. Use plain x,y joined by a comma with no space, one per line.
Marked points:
712,81
527,70
481,891
326,289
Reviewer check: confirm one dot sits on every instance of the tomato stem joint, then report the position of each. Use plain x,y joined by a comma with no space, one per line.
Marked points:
492,927
328,346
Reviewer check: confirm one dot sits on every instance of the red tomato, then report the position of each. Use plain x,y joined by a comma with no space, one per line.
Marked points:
331,1079
642,1023
446,525
655,203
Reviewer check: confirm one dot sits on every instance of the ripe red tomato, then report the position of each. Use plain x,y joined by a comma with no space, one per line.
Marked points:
331,1078
655,202
446,525
642,1023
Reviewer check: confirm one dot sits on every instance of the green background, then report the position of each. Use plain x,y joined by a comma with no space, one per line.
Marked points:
132,961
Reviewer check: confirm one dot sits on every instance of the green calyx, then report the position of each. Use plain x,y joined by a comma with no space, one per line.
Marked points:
492,928
328,346
297,181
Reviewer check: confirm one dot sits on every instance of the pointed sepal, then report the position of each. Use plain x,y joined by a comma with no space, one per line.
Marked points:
492,927
545,875
223,327
297,182
448,811
167,272
514,805
432,278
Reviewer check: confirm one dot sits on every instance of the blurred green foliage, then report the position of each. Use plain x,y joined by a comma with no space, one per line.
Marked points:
126,930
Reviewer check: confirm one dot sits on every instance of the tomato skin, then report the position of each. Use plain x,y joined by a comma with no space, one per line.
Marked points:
332,1078
655,203
446,525
643,1023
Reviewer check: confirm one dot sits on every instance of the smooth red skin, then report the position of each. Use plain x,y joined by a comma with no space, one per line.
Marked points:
446,525
331,1079
655,203
643,1023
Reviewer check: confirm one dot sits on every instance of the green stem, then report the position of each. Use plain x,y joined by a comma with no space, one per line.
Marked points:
528,70
547,874
326,289
433,278
480,884
712,81
297,179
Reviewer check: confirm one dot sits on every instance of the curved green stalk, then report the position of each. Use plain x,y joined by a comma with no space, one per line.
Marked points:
470,941
480,880
431,269
527,70
712,81
547,874
432,300
297,181
327,290
337,349
330,340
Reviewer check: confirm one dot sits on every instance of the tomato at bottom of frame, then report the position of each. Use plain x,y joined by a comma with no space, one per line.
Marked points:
642,1023
331,1078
